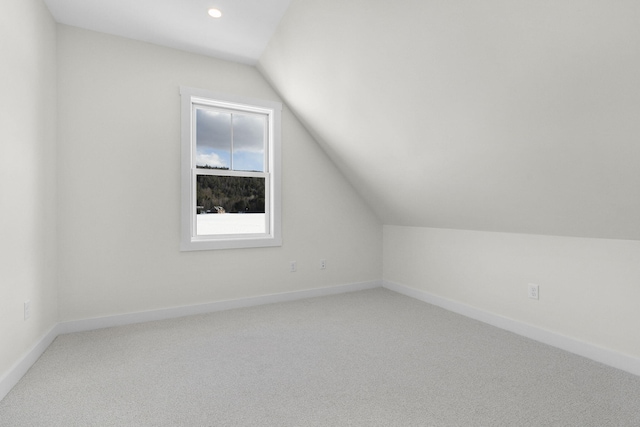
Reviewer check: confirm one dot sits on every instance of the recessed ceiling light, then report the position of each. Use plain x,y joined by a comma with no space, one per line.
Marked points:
215,13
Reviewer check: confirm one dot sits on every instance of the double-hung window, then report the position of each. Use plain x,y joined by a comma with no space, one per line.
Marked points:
230,171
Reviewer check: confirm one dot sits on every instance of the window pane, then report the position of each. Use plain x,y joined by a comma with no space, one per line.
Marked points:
230,205
249,142
213,139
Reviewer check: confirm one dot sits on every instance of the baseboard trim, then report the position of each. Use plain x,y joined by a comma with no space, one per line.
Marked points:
593,352
599,354
17,371
190,310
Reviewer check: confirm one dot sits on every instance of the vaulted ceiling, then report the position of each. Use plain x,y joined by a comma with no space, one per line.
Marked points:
513,116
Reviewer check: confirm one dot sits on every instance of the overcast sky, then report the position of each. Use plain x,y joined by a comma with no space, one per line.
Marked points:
213,140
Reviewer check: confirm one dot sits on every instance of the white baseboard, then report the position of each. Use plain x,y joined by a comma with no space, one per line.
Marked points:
190,310
599,354
17,371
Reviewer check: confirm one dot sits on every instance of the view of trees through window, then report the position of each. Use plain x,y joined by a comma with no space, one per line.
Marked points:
230,194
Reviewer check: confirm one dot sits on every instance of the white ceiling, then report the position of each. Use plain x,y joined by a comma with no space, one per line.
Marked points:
241,34
513,116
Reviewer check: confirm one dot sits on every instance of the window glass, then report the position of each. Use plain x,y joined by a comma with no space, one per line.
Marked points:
213,139
249,132
230,205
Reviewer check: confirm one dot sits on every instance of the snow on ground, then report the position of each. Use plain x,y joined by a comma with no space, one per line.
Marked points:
230,223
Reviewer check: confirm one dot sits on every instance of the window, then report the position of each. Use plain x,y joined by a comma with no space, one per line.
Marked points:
230,171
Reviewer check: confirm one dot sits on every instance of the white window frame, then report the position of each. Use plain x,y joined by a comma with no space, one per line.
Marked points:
191,97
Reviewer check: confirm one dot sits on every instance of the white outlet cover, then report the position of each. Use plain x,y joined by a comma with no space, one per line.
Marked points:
533,291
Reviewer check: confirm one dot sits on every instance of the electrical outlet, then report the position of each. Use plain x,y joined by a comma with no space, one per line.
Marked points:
323,264
533,291
27,309
293,266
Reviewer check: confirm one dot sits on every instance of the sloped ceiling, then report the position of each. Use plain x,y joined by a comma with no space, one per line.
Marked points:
514,116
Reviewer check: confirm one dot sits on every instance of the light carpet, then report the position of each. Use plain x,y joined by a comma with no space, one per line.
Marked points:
369,358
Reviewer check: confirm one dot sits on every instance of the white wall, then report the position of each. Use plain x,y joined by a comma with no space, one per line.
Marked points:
589,288
27,176
119,148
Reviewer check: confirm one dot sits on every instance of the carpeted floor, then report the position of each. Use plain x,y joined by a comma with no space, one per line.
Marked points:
370,358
